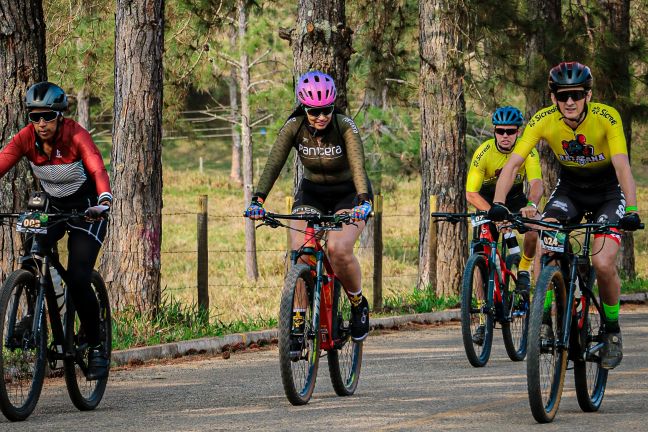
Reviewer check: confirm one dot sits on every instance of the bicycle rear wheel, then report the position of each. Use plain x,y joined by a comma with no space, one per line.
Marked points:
515,332
86,395
590,378
476,319
345,360
23,359
546,361
298,372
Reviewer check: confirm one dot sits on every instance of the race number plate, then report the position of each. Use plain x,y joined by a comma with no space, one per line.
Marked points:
553,241
477,220
32,222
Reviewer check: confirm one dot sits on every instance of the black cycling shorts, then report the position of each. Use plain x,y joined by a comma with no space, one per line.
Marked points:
569,202
326,198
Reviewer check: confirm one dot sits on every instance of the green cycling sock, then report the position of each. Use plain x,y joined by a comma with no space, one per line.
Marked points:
612,315
548,302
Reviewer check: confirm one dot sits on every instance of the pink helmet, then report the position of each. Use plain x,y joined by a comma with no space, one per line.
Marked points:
316,89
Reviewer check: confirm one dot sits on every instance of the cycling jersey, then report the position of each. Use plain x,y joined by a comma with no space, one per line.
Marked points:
331,156
585,152
486,165
74,176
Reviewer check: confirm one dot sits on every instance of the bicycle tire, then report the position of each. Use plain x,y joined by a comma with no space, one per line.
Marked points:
345,361
18,375
298,375
472,315
546,363
86,395
590,378
515,331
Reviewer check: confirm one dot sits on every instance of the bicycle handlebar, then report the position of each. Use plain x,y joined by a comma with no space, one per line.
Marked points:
516,219
311,217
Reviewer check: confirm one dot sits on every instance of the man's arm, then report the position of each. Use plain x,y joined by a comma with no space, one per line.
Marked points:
507,177
477,201
621,165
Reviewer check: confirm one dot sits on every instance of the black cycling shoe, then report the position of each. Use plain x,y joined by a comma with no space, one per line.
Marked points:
98,364
612,351
523,281
360,321
480,335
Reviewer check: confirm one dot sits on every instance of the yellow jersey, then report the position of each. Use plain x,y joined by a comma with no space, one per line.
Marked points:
487,163
582,152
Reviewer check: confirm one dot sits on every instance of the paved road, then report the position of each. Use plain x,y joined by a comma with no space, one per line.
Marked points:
411,380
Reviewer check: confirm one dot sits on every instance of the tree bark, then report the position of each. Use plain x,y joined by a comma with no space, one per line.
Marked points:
235,171
443,150
542,53
131,260
251,266
22,63
83,108
615,88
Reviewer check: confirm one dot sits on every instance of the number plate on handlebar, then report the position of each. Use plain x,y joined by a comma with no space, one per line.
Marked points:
478,220
553,241
328,226
32,222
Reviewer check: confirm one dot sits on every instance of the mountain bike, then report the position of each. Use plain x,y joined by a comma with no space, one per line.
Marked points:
567,326
489,294
315,314
28,297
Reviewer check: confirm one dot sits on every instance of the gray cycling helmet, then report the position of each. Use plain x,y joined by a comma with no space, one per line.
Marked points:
46,95
570,74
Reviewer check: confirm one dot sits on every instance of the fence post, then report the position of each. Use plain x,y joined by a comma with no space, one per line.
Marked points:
378,253
203,259
433,243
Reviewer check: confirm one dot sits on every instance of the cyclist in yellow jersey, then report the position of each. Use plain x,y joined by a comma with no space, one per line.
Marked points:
485,167
588,140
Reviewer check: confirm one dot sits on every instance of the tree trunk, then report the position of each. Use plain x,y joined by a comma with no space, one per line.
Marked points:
251,266
542,53
235,171
83,108
131,260
22,63
615,88
443,150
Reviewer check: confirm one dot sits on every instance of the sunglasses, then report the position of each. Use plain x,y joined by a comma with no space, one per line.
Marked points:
575,95
48,116
503,131
316,112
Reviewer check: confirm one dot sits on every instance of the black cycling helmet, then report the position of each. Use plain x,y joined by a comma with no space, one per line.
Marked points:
507,115
46,95
570,74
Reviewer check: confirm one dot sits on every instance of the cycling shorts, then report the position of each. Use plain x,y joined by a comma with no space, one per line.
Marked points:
326,198
568,204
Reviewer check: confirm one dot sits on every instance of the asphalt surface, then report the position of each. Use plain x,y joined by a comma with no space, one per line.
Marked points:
417,379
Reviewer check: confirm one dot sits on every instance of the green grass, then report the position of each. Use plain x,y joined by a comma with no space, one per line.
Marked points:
417,301
640,284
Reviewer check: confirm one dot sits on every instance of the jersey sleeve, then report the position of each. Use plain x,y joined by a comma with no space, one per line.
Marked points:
277,157
12,152
532,166
476,171
615,136
93,162
532,133
355,155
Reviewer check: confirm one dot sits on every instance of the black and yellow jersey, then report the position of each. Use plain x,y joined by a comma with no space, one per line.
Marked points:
331,156
487,163
584,152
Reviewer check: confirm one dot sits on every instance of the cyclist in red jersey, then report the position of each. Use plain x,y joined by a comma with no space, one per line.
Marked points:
70,169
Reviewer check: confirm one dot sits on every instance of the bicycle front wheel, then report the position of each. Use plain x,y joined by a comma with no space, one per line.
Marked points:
299,341
590,378
515,331
546,360
476,319
345,360
23,359
86,395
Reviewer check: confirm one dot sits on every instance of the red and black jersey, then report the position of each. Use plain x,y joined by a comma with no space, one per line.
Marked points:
75,175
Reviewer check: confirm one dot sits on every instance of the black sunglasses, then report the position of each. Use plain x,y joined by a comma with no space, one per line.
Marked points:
48,116
575,95
316,112
503,131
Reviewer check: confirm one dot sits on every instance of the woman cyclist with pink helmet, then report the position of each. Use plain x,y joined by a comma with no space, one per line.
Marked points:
329,146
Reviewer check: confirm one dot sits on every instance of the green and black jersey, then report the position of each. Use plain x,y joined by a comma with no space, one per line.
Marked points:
331,156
